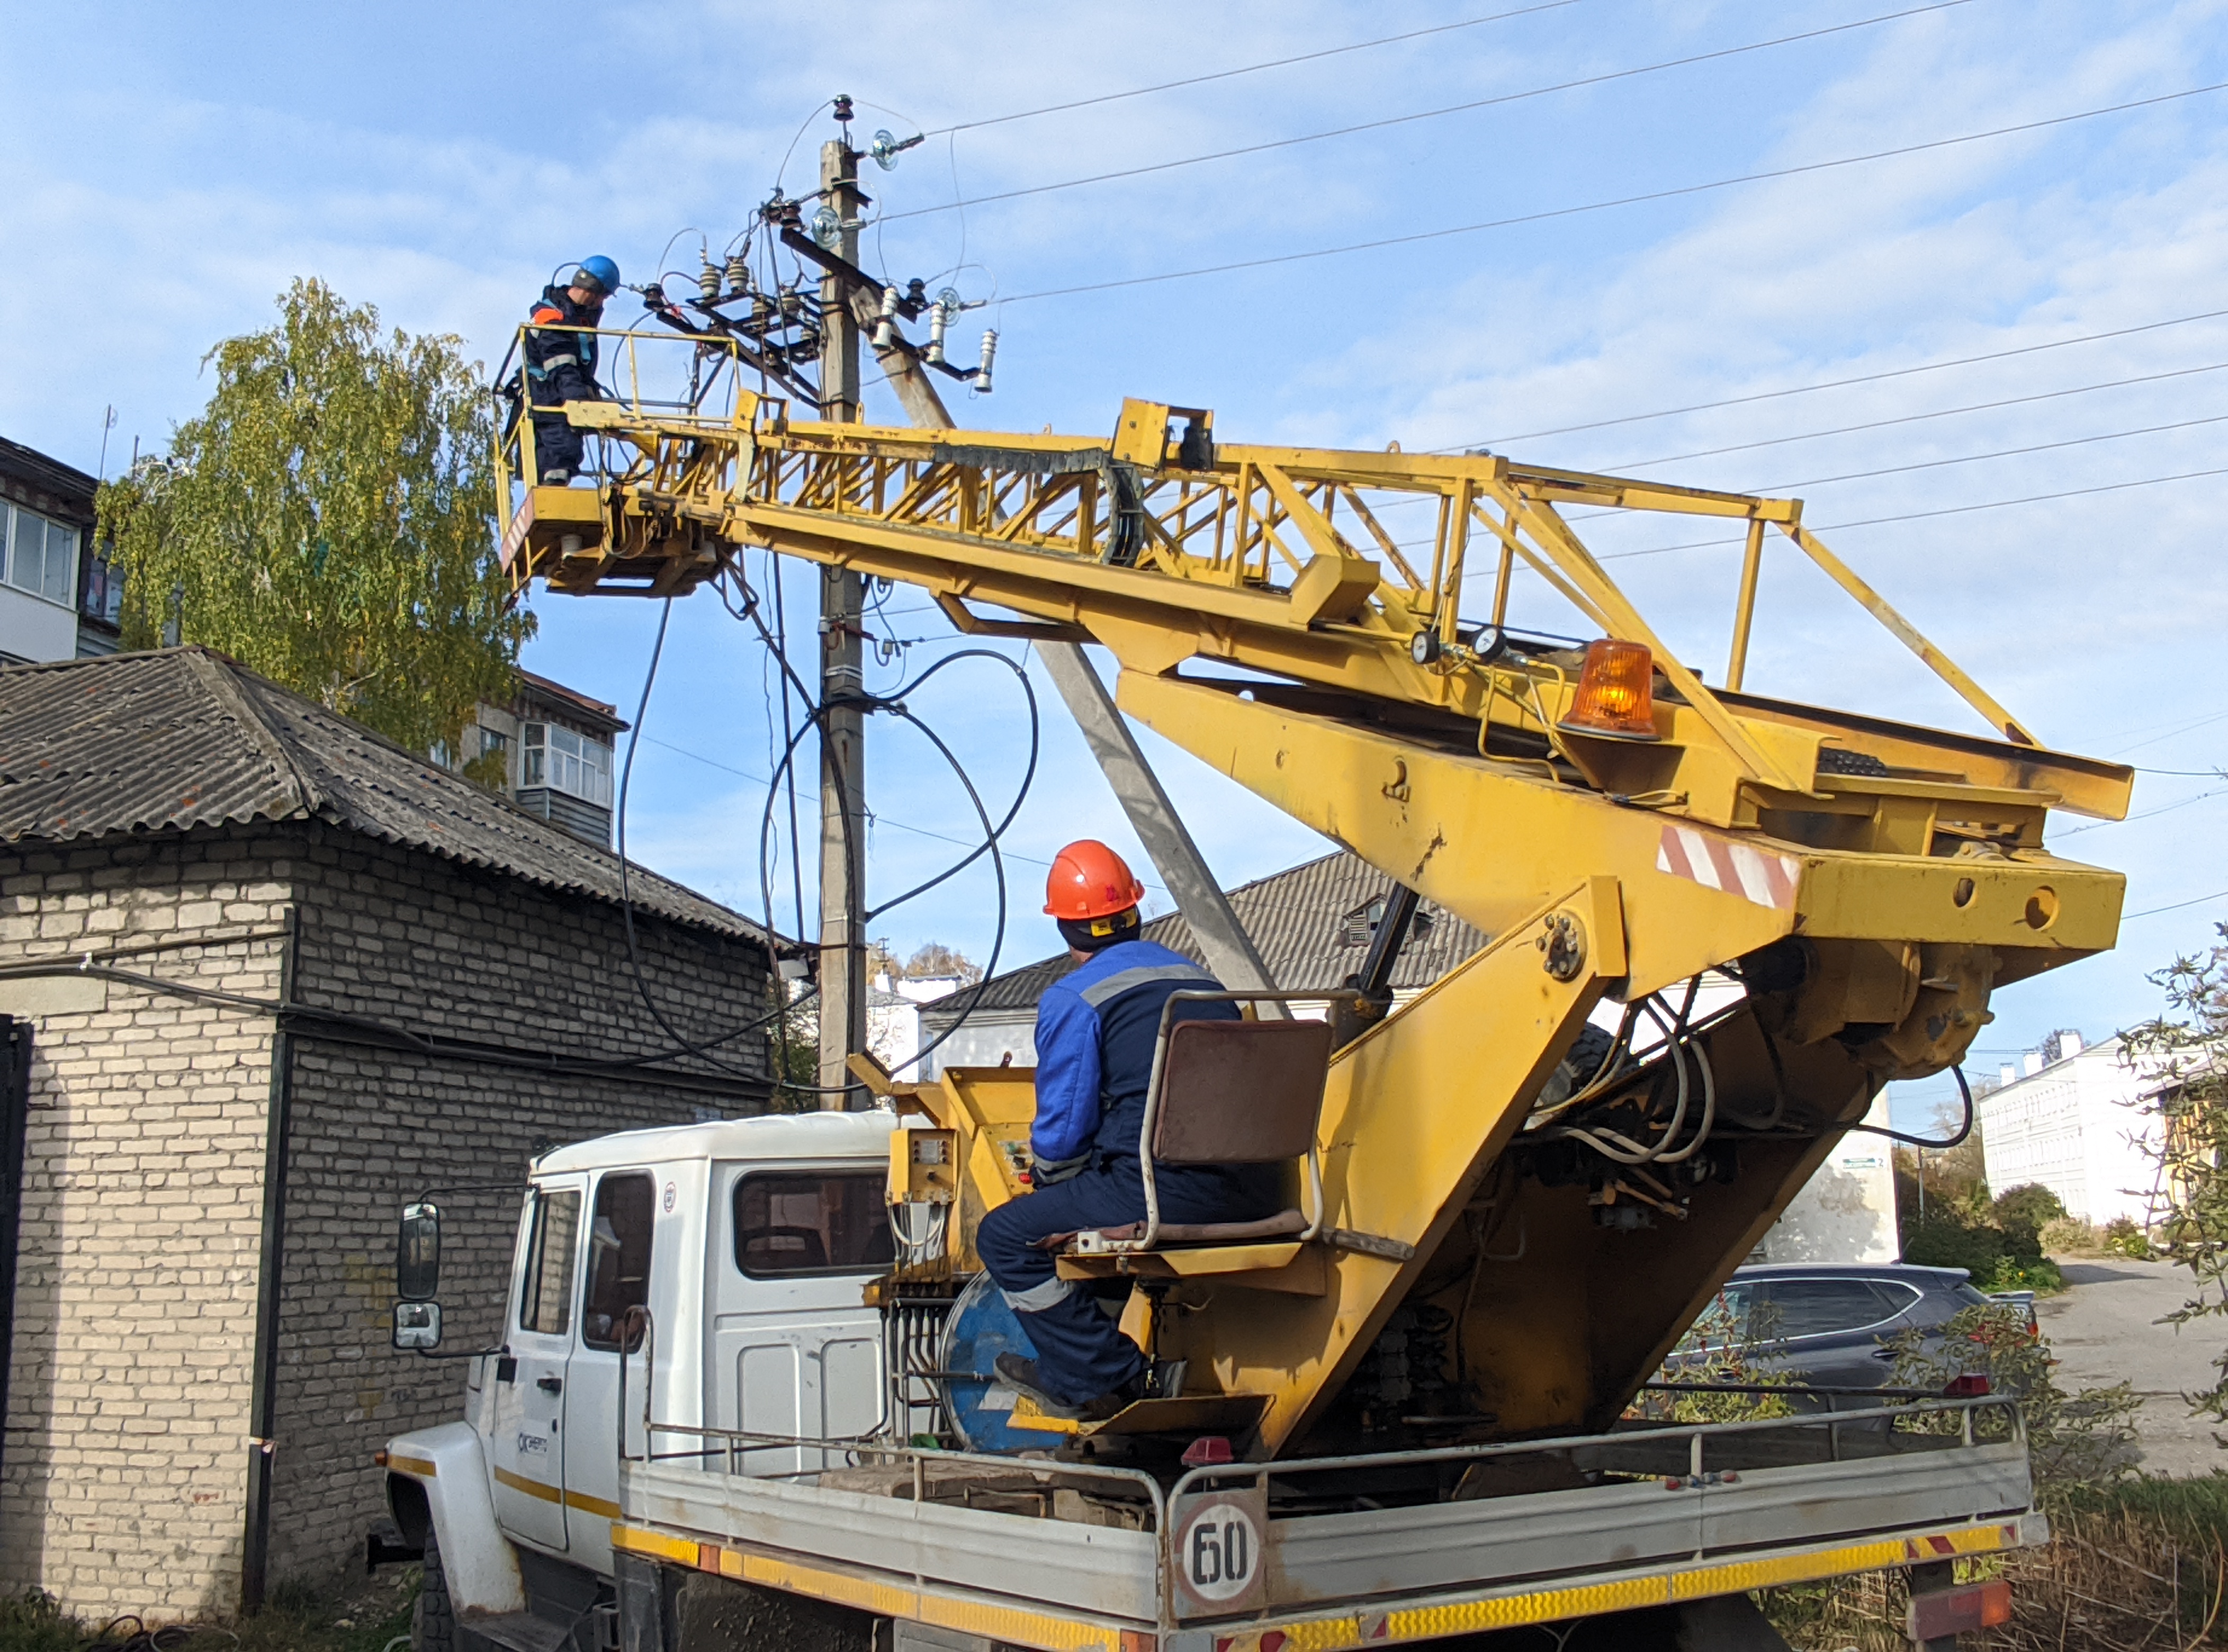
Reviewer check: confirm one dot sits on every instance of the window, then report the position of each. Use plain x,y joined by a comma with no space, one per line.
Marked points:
619,1259
1723,1324
546,1303
104,592
40,554
1820,1307
554,756
790,1223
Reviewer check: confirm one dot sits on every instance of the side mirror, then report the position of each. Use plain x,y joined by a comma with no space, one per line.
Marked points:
417,1255
417,1325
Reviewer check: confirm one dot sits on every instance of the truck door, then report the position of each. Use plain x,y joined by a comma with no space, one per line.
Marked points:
528,1447
622,1224
795,1351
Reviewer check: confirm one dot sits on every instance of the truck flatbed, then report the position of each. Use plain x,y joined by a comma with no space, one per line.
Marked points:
1232,1557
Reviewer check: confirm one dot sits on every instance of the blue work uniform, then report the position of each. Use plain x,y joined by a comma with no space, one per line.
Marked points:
1095,1036
559,368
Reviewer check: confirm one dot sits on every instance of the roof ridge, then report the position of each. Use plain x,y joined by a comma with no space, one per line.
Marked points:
215,670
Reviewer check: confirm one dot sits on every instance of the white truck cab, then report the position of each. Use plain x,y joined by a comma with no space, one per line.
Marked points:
729,1258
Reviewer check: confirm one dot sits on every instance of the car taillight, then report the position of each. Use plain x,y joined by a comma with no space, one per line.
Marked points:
1973,1384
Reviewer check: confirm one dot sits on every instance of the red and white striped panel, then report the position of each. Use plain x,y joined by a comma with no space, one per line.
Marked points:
1729,868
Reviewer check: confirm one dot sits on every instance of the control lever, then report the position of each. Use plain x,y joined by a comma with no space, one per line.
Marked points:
550,1385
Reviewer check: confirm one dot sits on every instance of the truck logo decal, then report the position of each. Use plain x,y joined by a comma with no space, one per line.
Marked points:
532,1445
1730,868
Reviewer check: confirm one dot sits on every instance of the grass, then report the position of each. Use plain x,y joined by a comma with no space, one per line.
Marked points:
2141,1566
345,1615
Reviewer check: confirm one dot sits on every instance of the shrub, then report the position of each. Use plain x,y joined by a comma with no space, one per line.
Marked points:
2123,1237
1949,1238
2071,1236
2027,1208
2076,1442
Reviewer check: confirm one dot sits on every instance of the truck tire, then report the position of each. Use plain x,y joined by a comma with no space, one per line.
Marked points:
434,1619
1577,1068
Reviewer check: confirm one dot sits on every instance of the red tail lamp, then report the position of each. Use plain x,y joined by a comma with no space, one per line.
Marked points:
1972,1385
1616,692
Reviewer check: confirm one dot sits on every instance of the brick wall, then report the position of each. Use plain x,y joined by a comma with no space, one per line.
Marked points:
408,936
129,1423
128,1419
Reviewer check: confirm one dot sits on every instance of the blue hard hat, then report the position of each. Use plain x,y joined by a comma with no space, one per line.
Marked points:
602,273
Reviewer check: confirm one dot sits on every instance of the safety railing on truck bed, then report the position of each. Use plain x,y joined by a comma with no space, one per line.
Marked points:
1670,1510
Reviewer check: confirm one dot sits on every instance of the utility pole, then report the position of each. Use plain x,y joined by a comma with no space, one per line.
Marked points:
842,728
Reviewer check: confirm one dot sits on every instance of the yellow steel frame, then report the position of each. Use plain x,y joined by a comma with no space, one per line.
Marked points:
1907,863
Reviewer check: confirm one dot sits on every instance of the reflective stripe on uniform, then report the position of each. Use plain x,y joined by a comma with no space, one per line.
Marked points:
1037,1298
1100,992
548,361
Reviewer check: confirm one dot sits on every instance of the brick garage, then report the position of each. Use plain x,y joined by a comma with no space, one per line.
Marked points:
324,976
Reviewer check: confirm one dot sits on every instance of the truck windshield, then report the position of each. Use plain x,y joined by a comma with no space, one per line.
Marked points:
794,1222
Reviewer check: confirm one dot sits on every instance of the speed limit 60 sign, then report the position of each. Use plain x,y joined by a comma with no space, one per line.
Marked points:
1219,1566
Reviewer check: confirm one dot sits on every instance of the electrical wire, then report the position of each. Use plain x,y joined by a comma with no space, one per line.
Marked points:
700,1048
1434,114
1548,213
1624,465
1840,384
1916,516
1250,68
1780,489
318,1019
1964,1131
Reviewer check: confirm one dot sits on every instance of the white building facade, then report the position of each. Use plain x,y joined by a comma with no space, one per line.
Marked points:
2076,1121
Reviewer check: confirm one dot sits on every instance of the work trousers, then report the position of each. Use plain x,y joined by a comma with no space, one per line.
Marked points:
557,446
1081,1353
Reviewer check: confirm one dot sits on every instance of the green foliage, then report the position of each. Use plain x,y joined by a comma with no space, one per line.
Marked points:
2123,1237
2074,1440
328,520
1724,1350
2027,1209
31,1622
2189,1086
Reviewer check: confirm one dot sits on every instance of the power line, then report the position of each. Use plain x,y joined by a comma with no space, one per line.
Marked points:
1917,515
1250,68
1604,206
1424,114
1783,488
2129,918
1622,466
1837,384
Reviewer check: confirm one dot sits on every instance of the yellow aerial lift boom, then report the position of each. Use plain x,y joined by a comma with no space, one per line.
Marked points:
1614,825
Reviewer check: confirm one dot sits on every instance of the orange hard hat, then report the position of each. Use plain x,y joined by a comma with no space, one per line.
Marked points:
1090,881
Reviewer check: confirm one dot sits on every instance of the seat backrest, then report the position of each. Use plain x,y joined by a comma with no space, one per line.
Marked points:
1240,1092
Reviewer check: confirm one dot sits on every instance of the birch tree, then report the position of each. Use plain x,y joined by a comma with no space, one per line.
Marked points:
328,520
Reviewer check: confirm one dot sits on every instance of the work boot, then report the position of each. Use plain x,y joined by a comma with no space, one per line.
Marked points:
1156,1380
1024,1378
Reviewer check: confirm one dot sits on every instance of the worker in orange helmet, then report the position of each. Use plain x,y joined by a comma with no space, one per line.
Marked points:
1095,1034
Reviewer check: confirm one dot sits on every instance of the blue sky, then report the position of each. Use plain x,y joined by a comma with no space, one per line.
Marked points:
168,170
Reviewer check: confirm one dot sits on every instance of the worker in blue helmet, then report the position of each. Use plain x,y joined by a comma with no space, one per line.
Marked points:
561,365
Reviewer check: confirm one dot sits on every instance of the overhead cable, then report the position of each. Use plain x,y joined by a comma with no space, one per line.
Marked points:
1426,114
1837,384
1551,213
1623,466
1917,515
1781,488
1249,68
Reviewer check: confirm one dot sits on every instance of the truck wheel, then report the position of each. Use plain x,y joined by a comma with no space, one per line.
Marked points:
1577,1068
433,1620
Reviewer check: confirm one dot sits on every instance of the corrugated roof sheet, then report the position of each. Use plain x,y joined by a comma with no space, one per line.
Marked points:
188,737
1300,923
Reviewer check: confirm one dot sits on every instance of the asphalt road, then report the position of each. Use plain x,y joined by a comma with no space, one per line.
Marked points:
2105,1329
